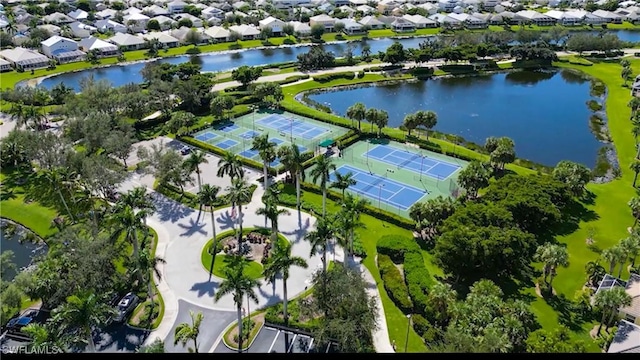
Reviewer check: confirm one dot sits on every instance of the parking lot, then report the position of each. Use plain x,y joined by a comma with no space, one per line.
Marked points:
208,171
274,340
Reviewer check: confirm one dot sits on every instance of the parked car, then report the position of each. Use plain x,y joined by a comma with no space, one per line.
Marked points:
31,316
185,150
126,306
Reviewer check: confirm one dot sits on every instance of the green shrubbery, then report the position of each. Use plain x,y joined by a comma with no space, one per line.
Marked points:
395,247
349,75
422,72
394,283
424,328
292,79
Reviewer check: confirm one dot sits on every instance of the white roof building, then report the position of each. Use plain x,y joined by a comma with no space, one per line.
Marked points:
162,37
217,33
105,14
126,40
95,44
155,10
245,30
24,58
272,23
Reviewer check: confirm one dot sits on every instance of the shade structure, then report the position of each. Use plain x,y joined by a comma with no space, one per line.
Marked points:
327,143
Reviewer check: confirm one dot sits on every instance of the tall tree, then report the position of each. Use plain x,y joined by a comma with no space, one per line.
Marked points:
193,162
474,177
280,262
292,160
208,196
634,205
631,247
238,284
613,256
635,167
321,171
81,314
440,297
371,115
239,194
267,151
272,212
145,266
319,238
128,222
609,301
575,175
56,178
552,256
382,119
343,182
231,165
185,332
595,272
357,112
426,119
348,221
138,199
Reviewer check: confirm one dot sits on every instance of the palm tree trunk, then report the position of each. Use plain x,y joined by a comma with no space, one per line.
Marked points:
240,225
635,178
134,242
324,256
266,176
199,181
64,202
621,268
284,300
298,193
239,328
612,265
195,345
90,343
604,314
274,230
324,200
359,121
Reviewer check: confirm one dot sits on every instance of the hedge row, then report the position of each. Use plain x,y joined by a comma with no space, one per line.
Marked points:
394,283
395,247
349,75
191,199
271,316
292,79
320,116
418,279
216,150
368,209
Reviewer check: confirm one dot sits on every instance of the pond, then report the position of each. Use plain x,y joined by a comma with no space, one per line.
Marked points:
120,75
23,253
545,113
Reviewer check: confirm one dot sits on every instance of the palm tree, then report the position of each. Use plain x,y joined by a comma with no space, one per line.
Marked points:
280,262
439,298
292,160
321,171
609,301
319,238
634,104
146,265
138,199
231,165
613,256
208,196
193,162
55,178
595,272
239,194
34,115
357,112
634,204
127,221
238,284
272,212
349,221
267,151
45,335
343,182
185,332
551,256
635,167
371,116
631,247
82,313
18,114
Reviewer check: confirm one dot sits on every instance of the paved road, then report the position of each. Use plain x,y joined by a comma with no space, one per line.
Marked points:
213,325
120,338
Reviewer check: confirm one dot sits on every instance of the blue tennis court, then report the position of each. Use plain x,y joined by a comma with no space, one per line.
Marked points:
227,144
276,141
413,161
206,136
249,134
229,128
296,127
377,187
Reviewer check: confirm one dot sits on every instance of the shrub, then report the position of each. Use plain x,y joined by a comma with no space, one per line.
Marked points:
394,283
422,72
288,41
395,247
349,75
457,68
292,79
418,279
594,105
247,326
193,51
424,328
235,46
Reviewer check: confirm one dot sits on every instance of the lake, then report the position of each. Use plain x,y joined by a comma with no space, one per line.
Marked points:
23,253
545,113
120,75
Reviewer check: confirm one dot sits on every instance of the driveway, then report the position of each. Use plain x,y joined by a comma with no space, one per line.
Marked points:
213,324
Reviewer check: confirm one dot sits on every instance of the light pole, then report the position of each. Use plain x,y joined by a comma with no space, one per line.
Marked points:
367,152
291,130
406,342
421,166
253,118
380,193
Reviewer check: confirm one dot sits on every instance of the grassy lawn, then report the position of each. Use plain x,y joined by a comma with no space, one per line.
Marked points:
252,270
32,215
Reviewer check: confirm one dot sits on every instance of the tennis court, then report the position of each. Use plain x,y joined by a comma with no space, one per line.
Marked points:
292,126
381,189
415,161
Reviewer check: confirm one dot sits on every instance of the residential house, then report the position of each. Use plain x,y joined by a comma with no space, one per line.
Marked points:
132,10
246,32
351,27
470,21
154,10
101,6
586,17
420,21
136,22
99,46
24,59
347,10
288,4
107,25
627,339
489,5
402,25
564,18
300,29
536,18
176,6
217,33
325,7
446,21
166,23
50,28
165,39
372,22
447,5
210,12
79,15
4,65
385,7
366,9
386,20
630,313
628,14
325,20
276,25
105,14
80,30
57,18
240,4
196,21
127,41
356,3
339,2
397,12
431,8
61,49
609,16
496,19
470,5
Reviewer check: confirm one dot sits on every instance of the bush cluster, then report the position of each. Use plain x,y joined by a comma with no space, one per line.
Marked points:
349,75
394,283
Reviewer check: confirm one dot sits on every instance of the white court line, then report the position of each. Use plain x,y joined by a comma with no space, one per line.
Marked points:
386,200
